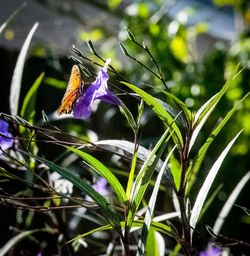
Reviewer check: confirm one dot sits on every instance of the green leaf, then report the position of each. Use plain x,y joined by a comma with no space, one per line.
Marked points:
59,84
229,203
201,197
104,205
204,112
144,176
151,245
126,149
161,112
16,81
160,227
125,111
28,109
210,201
175,171
102,228
180,104
102,170
194,167
150,209
157,226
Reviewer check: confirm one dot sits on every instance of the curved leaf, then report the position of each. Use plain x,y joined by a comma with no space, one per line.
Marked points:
102,170
16,81
201,197
28,107
193,168
161,112
204,112
229,203
104,205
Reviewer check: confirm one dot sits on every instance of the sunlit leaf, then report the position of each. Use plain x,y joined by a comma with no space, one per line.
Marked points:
16,81
204,112
229,203
194,167
103,171
144,176
161,112
201,197
150,209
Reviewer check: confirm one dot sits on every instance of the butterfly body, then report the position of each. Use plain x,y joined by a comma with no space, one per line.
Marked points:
72,92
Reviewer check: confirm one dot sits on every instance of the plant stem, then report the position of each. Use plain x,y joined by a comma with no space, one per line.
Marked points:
186,232
125,245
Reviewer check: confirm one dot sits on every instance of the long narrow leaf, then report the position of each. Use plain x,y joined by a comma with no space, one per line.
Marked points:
28,107
201,197
229,203
150,209
204,112
181,104
102,228
11,17
104,205
165,229
144,176
15,86
102,170
193,169
126,148
161,112
151,246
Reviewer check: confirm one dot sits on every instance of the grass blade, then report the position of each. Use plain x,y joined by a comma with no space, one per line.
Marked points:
15,86
229,203
201,197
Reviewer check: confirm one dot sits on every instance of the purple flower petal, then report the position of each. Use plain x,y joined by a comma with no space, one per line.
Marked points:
97,90
211,251
101,186
5,143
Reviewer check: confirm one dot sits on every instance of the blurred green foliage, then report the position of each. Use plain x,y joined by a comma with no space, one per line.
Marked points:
189,76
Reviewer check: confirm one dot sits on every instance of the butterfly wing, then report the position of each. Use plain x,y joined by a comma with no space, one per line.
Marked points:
72,91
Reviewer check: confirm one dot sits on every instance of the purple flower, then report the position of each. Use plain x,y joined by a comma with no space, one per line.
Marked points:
98,90
211,251
5,142
101,186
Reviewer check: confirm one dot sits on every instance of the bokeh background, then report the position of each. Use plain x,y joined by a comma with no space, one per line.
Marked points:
196,44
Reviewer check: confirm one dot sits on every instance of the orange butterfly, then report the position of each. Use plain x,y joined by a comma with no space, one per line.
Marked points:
72,93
